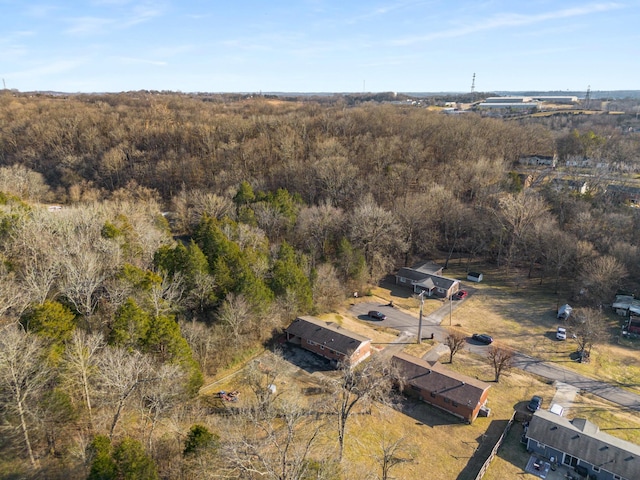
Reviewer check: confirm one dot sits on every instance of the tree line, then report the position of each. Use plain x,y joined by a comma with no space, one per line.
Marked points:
191,231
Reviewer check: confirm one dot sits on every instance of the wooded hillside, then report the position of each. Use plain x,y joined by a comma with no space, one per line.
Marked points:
193,228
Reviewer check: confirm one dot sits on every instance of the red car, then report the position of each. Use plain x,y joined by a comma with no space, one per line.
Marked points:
460,294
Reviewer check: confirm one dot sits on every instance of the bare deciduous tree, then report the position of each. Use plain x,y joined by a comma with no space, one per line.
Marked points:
317,227
273,442
328,292
501,360
81,365
377,233
24,183
587,326
516,214
599,278
34,248
200,338
13,301
164,388
455,341
358,387
23,376
86,264
235,313
121,375
393,453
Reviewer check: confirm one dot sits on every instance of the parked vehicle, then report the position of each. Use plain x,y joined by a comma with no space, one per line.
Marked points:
482,338
534,403
376,315
561,333
564,311
460,294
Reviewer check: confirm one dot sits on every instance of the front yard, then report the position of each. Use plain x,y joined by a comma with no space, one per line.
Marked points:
521,314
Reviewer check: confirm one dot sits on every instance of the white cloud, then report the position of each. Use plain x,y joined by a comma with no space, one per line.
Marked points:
51,68
132,61
89,25
508,20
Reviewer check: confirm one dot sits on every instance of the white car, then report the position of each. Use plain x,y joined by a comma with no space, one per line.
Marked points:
561,333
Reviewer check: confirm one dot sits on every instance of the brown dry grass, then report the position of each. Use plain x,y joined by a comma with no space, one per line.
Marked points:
512,456
521,313
518,313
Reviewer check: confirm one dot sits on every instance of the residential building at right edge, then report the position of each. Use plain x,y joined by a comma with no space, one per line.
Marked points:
580,443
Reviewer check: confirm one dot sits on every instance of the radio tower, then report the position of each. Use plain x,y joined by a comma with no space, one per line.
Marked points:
587,97
473,87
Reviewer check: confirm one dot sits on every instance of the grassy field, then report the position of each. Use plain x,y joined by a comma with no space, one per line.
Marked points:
521,314
512,456
518,313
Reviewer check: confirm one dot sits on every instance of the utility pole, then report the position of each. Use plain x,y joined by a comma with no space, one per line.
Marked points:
450,308
420,317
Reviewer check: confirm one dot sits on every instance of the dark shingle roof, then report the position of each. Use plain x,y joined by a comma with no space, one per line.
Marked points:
327,333
582,439
419,277
436,378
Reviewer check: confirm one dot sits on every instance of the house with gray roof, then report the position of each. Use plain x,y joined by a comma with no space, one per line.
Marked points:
427,277
329,340
580,444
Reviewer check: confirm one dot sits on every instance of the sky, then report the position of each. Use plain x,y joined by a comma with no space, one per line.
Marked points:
308,46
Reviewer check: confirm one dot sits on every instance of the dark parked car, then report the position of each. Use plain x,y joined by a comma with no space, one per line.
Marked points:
482,338
534,403
460,294
377,315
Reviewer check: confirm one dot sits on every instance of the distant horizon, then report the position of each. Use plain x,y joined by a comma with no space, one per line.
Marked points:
596,94
319,46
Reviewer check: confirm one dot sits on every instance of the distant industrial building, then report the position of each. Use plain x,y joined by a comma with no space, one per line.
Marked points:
509,105
557,99
508,100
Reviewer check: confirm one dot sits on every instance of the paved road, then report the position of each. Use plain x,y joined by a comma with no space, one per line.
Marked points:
408,325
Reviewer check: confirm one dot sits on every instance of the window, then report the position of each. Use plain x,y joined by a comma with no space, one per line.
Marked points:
446,400
569,460
595,469
617,477
433,394
455,404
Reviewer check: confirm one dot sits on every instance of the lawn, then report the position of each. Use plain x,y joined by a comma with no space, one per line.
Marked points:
521,313
421,427
512,456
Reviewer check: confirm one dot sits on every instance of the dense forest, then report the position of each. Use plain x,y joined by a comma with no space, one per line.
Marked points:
149,240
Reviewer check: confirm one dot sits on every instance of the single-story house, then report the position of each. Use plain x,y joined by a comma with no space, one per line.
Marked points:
579,161
580,443
427,277
625,305
550,160
329,340
624,193
436,385
578,186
